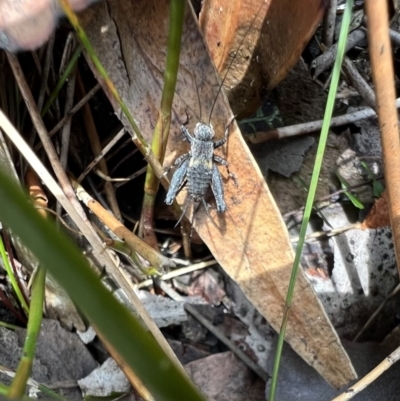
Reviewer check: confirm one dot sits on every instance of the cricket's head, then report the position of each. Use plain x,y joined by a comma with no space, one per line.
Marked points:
203,132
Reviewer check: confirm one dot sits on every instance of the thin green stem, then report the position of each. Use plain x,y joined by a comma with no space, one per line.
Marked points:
12,278
313,186
18,386
177,11
9,326
161,132
124,248
67,72
4,390
51,393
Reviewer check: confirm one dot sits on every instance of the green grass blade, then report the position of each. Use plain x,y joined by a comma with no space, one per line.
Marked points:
12,278
67,265
313,186
177,12
345,186
67,72
18,385
161,131
377,186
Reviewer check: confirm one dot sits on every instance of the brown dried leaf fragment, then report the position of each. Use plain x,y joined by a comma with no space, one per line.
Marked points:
267,45
378,216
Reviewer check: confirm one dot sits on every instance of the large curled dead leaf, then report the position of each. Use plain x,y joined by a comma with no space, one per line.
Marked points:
258,41
250,240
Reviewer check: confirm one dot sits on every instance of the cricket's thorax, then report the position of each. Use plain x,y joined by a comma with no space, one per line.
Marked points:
202,150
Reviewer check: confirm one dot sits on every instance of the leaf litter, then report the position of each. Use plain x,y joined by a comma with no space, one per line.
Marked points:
250,240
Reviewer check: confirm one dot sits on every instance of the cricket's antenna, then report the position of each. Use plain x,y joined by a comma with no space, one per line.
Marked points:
185,206
233,59
198,97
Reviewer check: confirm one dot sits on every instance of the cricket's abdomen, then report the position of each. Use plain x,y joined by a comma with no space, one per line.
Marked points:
199,172
199,177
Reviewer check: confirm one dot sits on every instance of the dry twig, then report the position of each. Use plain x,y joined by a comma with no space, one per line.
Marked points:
305,128
383,75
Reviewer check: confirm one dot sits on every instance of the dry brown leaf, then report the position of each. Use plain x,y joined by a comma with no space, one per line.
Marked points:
250,240
267,46
205,284
378,216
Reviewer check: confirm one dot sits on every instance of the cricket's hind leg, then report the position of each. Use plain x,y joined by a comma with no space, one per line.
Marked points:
222,161
185,206
217,187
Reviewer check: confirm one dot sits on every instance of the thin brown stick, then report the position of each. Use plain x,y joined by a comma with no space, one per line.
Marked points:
69,45
46,70
44,75
101,154
306,128
71,112
179,272
383,75
326,60
131,177
42,132
317,235
377,312
137,245
186,231
371,376
96,149
107,178
66,131
328,31
36,61
358,82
